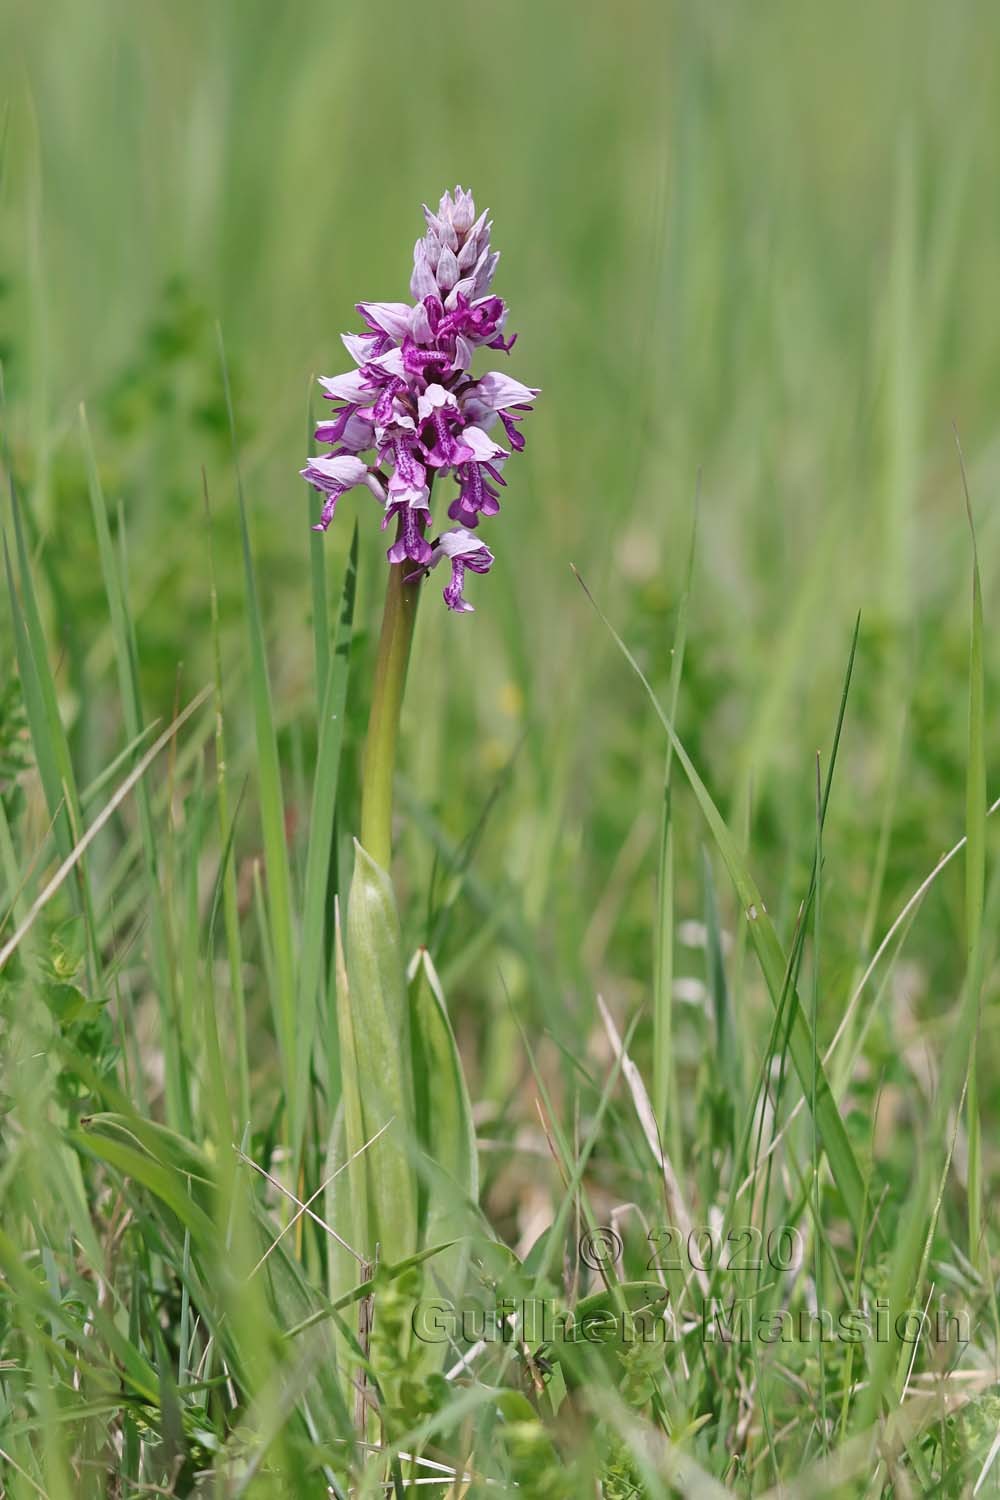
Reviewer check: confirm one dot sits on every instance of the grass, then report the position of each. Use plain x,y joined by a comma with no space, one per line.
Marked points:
697,889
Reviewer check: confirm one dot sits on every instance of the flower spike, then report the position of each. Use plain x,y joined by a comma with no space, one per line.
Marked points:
413,401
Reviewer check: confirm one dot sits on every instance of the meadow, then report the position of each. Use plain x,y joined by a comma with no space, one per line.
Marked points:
687,973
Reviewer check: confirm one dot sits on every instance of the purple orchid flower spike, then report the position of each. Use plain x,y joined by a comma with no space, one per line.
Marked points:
413,401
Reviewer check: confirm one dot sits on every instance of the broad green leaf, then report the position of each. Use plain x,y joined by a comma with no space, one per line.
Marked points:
164,1181
442,1106
379,1008
448,1172
346,1195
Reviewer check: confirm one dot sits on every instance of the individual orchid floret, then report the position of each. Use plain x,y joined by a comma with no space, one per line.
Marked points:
390,321
464,550
441,418
476,496
413,401
497,395
334,476
410,545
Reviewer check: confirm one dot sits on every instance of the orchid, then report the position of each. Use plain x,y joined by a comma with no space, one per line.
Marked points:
411,411
413,402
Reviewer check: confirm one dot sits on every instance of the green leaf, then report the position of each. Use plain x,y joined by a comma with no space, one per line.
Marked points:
346,1195
164,1181
380,1020
443,1111
449,1171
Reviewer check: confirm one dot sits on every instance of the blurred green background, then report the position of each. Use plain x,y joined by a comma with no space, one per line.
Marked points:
751,252
757,243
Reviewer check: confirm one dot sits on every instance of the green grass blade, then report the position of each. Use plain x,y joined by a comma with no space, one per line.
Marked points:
975,878
729,1079
227,831
317,574
48,735
956,1084
664,1091
48,739
123,635
316,893
36,709
272,807
840,1154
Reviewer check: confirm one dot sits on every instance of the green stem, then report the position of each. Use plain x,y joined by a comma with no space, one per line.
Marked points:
398,619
